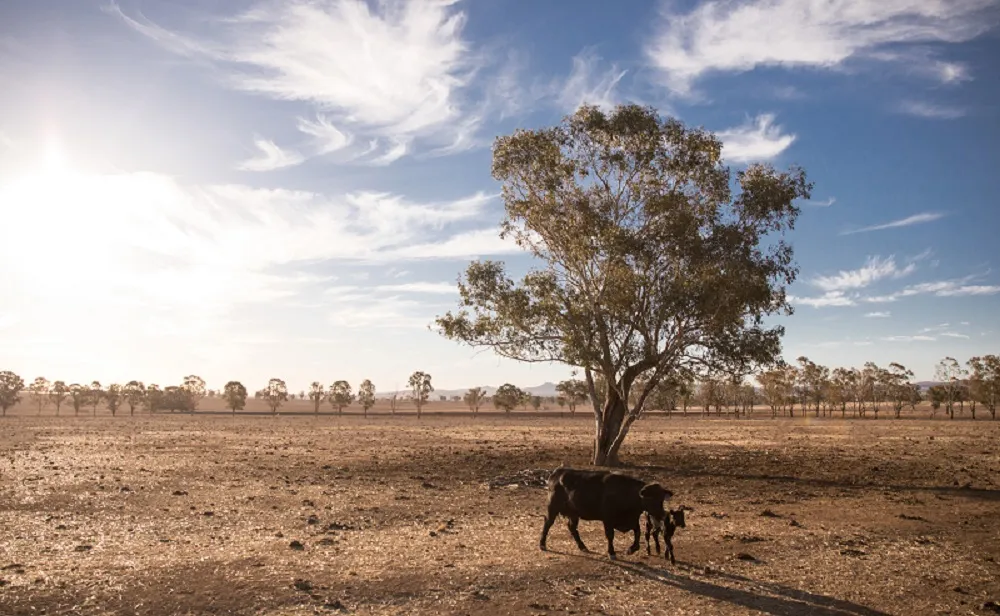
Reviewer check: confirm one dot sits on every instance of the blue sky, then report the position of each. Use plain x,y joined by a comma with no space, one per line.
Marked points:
247,189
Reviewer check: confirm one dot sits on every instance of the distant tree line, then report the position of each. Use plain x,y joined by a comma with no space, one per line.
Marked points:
804,387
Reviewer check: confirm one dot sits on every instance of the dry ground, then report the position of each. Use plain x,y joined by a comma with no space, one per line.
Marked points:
197,514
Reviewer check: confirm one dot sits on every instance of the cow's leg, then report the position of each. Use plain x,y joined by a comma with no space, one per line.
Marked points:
549,521
632,549
649,530
656,539
609,532
572,526
668,548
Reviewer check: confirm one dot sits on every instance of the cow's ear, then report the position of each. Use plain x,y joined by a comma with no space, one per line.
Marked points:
667,495
650,490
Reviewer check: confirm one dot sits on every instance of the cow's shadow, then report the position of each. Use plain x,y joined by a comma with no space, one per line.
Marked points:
767,597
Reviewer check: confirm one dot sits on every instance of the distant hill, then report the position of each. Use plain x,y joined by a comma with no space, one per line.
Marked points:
545,390
927,384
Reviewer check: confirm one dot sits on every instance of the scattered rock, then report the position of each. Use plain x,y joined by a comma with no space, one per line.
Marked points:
338,526
3,583
335,605
795,523
303,585
852,552
746,557
296,545
83,548
312,519
903,516
124,489
432,534
180,492
209,513
992,606
480,595
325,541
767,513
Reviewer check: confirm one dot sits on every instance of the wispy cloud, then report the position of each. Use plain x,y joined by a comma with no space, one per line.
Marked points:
916,219
589,83
874,270
755,140
958,287
828,299
271,157
931,111
878,315
825,203
396,70
328,138
718,36
917,338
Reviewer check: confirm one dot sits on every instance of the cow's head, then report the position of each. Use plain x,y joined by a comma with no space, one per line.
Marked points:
653,496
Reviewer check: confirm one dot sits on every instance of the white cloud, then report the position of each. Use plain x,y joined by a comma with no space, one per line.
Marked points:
954,335
979,289
825,203
721,36
916,219
755,140
831,298
272,157
446,288
396,69
874,270
918,338
878,315
328,138
958,287
931,111
588,83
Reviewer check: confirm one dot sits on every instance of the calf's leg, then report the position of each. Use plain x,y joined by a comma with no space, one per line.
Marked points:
632,549
549,521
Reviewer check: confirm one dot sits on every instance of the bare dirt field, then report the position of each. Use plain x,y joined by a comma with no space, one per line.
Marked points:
211,514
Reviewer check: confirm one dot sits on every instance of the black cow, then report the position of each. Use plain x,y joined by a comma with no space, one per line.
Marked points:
616,499
674,521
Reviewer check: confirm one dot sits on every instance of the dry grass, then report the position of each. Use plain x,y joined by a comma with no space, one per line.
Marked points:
196,514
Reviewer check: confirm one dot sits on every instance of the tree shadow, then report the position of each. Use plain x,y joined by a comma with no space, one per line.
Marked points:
677,471
767,597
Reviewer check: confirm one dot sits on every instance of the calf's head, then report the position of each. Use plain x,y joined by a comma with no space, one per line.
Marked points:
653,496
677,517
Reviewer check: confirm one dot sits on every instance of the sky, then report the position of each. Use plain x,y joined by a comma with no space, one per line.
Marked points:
248,189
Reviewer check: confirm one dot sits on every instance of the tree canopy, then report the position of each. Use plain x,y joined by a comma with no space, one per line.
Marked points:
650,263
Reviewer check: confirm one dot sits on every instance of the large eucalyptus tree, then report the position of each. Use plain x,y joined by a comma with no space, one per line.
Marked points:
652,266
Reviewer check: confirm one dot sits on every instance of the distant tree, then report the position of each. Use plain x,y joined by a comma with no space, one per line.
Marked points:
10,390
153,398
39,390
95,393
341,396
134,394
507,397
174,398
211,393
194,390
113,398
393,399
235,394
536,402
985,374
366,395
950,373
572,392
813,378
57,395
937,394
275,394
474,398
420,385
900,389
317,394
78,396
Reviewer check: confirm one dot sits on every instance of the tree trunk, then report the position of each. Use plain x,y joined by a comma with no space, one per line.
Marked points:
609,427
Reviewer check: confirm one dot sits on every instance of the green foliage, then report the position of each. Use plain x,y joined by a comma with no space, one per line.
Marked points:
651,265
507,397
366,395
340,395
154,398
10,390
985,379
78,395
